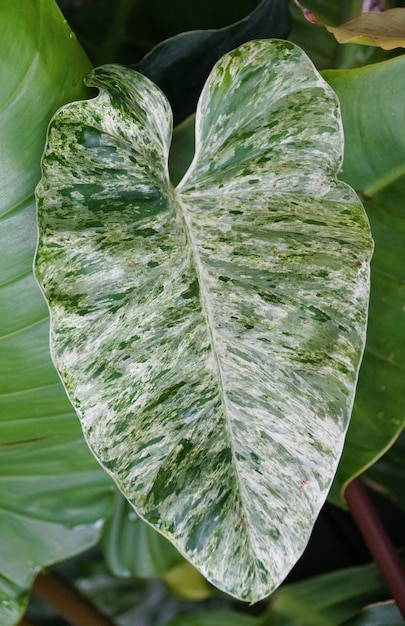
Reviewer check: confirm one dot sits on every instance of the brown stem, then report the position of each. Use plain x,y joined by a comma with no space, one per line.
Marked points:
76,609
24,622
377,540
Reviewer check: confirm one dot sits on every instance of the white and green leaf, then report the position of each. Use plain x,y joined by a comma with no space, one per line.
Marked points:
210,336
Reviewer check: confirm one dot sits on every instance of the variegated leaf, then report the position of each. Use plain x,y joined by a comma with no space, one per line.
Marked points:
210,336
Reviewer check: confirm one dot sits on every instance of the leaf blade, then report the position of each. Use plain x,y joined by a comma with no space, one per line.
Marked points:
374,165
212,461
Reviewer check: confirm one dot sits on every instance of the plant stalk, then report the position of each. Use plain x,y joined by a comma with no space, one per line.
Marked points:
377,541
69,603
24,622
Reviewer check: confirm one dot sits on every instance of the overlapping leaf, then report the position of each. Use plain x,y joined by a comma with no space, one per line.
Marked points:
210,336
372,100
180,65
53,496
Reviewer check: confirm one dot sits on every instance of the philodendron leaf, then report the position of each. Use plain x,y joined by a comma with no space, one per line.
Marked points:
209,336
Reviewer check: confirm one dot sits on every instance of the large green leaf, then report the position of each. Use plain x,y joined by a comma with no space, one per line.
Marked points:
372,100
53,497
210,336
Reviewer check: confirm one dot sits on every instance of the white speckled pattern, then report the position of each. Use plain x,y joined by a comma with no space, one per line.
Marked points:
210,336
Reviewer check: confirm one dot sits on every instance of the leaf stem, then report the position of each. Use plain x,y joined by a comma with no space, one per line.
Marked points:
68,601
24,622
377,540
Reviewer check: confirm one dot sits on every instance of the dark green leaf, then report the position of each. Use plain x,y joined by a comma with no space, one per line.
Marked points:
123,31
181,65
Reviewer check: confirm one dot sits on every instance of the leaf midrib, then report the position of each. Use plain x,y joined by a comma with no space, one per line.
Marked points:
207,311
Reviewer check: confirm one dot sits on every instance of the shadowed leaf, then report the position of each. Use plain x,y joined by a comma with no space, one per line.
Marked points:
181,65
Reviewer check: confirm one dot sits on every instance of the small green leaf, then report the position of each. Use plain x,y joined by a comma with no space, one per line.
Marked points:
210,336
186,582
182,149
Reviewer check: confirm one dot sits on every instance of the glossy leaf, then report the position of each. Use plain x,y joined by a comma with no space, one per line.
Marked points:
53,496
210,336
181,65
372,100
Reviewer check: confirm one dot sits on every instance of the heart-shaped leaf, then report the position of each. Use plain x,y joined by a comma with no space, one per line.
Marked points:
210,336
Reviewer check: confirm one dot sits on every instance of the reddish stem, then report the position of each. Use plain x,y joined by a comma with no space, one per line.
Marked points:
377,541
24,622
69,603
